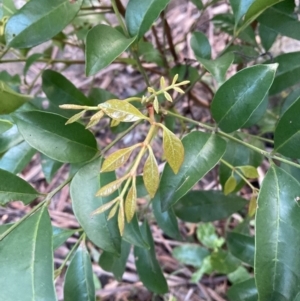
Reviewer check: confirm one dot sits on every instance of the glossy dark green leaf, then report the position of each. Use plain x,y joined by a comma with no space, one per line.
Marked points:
5,125
267,36
166,220
243,291
9,139
207,206
224,262
60,235
237,99
27,260
277,253
147,265
289,100
239,275
38,21
48,133
200,45
111,263
140,15
17,157
13,188
202,152
240,7
133,235
60,90
10,100
287,132
49,167
241,246
281,23
103,45
100,231
190,254
288,72
79,282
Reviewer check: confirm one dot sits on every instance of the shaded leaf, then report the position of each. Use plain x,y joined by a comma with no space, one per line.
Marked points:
27,260
5,125
202,153
240,7
103,45
267,36
13,188
151,174
60,236
230,185
249,171
147,265
79,283
111,187
200,45
237,99
243,291
207,206
121,111
21,29
239,275
206,234
277,256
48,133
100,231
31,60
224,262
49,167
130,202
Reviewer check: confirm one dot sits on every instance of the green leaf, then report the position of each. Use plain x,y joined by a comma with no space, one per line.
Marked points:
240,7
49,167
166,220
5,125
207,206
258,7
79,282
200,45
206,234
48,133
243,291
10,100
8,7
236,100
13,188
241,246
103,45
151,174
27,260
60,235
224,262
31,60
202,152
267,36
198,4
289,100
17,157
140,15
230,185
38,21
9,139
190,254
100,231
287,132
147,265
288,72
281,23
121,111
60,90
130,202
111,263
248,171
239,275
277,256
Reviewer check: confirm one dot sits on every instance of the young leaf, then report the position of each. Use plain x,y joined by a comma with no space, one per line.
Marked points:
111,187
75,117
237,99
252,206
102,232
173,149
121,219
113,211
79,283
5,125
121,110
48,133
117,159
206,234
277,256
287,133
103,45
27,260
147,266
224,262
230,185
202,152
105,206
151,174
249,171
130,202
13,188
10,100
140,15
21,29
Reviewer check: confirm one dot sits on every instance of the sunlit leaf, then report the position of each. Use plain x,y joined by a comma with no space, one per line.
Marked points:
151,174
